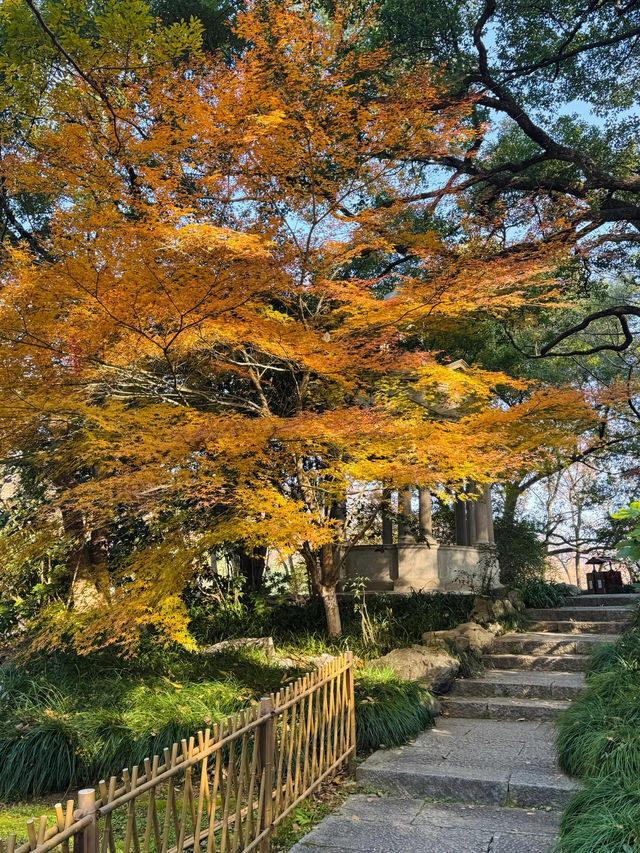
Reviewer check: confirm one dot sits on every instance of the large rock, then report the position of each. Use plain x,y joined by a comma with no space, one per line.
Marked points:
469,636
515,597
482,609
264,644
431,667
479,639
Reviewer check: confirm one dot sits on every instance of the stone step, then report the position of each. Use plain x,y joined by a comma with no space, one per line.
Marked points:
603,600
371,824
544,663
502,708
556,627
474,761
558,644
581,614
516,683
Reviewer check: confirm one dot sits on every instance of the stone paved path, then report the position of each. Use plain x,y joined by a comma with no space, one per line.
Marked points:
485,779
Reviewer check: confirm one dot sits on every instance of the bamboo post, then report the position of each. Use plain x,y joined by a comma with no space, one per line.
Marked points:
351,704
266,743
87,840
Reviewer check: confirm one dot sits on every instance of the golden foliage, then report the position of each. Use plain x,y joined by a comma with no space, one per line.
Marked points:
217,328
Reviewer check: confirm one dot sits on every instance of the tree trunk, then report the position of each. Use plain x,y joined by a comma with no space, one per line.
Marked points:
327,587
511,495
331,609
86,593
252,566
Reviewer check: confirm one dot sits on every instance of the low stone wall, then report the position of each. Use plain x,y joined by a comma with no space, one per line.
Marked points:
401,568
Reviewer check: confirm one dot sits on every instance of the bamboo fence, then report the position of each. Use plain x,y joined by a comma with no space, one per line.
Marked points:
223,791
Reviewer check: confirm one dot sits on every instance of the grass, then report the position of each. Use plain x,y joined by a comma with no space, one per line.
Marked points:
598,741
66,723
600,733
537,592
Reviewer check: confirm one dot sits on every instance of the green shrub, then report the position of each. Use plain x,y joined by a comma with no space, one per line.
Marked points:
397,620
603,816
537,592
521,554
389,711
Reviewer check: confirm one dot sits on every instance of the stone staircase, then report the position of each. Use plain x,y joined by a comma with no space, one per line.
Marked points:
493,747
494,743
534,675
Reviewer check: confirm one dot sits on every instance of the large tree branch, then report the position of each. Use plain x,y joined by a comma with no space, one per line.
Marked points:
619,312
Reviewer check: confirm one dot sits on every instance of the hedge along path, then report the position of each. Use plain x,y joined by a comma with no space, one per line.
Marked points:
223,791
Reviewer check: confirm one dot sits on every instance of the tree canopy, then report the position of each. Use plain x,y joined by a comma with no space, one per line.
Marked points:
212,321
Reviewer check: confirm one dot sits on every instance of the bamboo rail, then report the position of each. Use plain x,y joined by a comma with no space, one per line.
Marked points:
222,791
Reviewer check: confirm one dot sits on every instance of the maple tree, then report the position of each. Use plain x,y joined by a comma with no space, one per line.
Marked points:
213,331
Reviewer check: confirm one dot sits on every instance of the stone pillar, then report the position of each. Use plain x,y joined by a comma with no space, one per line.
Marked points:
387,520
461,523
424,513
405,515
489,506
482,515
470,515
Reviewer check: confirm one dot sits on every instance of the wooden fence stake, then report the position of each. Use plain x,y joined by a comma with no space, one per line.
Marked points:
87,840
351,706
266,741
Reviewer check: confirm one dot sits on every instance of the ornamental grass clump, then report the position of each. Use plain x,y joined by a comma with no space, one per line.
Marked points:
64,724
389,711
599,742
600,733
603,816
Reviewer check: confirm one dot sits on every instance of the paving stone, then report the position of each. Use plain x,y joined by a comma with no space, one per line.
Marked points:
503,707
445,827
474,784
344,833
472,761
549,644
381,809
514,842
494,818
603,600
548,663
582,614
566,627
531,787
479,765
515,683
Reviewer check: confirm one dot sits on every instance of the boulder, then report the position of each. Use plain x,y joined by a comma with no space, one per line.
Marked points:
482,609
479,639
515,597
461,644
439,638
498,610
320,660
433,668
264,644
509,607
